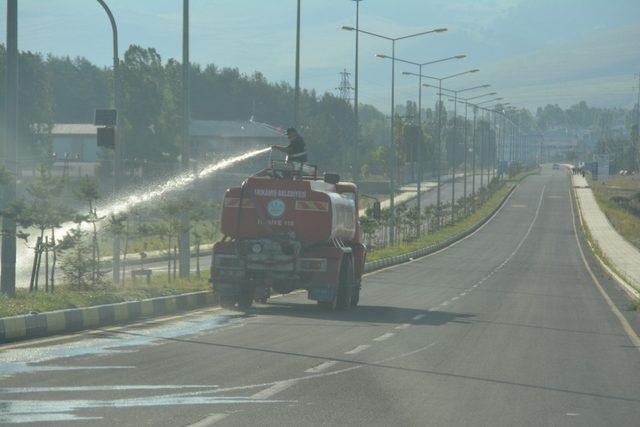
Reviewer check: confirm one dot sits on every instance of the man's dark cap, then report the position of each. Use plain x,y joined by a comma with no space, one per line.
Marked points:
290,131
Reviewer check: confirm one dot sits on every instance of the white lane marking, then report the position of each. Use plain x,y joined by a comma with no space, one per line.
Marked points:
358,349
403,326
419,316
463,294
633,337
384,336
209,421
306,377
274,389
444,304
455,298
515,251
321,367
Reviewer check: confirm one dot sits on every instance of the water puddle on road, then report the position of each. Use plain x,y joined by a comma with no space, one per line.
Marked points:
30,359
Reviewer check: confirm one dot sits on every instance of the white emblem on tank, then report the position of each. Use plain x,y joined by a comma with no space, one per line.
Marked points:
275,208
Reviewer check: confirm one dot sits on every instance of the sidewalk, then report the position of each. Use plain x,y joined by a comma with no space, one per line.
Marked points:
622,255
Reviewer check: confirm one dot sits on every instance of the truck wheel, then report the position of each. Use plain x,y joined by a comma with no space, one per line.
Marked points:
328,305
345,287
355,296
227,301
245,300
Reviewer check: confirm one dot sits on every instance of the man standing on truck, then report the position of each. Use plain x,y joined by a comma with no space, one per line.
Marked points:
296,151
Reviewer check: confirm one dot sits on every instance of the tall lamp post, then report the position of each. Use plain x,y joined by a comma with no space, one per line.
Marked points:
117,155
466,103
356,118
296,95
454,142
8,257
438,151
485,136
394,153
419,150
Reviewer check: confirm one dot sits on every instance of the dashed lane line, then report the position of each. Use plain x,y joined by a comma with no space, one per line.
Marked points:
273,390
419,316
209,420
403,326
358,349
384,337
321,367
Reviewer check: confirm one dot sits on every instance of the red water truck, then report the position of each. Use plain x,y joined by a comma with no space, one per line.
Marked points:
285,228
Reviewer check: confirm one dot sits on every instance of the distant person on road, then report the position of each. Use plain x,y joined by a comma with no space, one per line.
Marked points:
296,151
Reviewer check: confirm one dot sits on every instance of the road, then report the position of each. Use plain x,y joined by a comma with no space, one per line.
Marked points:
505,328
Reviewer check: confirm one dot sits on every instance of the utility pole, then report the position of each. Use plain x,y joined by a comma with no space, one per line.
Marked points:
185,246
356,154
296,99
117,154
637,147
8,260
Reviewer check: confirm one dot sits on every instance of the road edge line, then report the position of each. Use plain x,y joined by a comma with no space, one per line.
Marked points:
631,333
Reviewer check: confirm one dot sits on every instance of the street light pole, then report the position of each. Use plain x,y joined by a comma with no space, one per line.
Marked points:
473,158
438,155
184,241
117,155
356,154
296,99
392,146
419,148
8,257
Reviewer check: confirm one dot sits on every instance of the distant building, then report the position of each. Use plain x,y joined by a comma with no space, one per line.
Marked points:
216,137
74,141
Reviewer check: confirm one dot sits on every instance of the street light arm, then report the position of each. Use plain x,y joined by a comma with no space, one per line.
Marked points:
346,28
444,59
481,96
473,88
460,74
437,30
380,55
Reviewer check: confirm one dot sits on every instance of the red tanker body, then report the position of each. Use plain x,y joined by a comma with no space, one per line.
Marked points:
286,229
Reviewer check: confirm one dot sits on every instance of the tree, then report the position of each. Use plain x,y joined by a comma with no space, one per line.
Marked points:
87,191
43,210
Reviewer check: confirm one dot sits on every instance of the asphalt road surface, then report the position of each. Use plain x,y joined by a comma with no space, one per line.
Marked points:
505,328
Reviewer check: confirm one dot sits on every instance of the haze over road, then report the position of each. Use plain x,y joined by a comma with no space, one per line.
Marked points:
506,328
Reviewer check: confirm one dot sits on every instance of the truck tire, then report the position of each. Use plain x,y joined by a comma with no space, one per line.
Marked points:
355,296
345,287
245,299
227,301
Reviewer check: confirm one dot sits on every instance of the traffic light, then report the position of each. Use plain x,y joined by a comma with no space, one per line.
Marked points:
106,120
107,137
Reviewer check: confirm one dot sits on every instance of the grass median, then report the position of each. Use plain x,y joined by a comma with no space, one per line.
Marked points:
64,298
444,233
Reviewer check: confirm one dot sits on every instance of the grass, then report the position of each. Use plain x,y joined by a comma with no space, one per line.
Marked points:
64,298
625,222
444,233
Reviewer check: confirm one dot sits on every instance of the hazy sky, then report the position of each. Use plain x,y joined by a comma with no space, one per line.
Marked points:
532,52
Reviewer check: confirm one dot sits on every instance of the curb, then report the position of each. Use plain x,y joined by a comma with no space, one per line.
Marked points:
617,276
419,253
28,326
